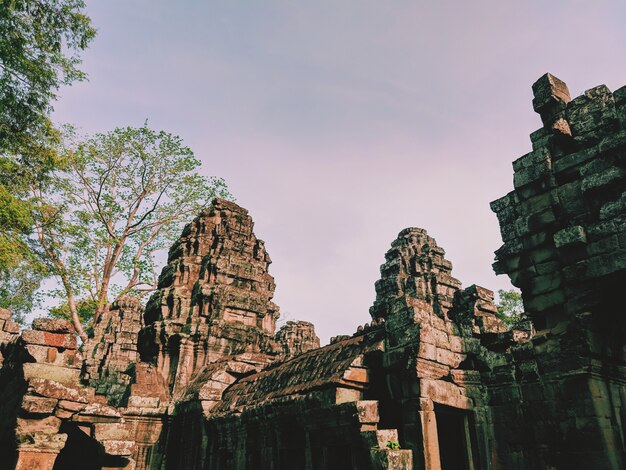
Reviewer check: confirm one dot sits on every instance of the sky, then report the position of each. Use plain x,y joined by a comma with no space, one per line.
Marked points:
337,123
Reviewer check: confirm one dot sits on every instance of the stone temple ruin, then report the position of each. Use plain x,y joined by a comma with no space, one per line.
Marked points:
199,379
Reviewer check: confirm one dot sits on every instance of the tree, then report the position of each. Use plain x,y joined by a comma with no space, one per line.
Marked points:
85,309
18,288
40,42
21,269
510,307
122,199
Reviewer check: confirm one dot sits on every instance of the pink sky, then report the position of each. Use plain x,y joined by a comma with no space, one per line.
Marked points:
339,123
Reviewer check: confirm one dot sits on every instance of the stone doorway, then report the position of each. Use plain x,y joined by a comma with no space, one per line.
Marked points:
455,438
81,452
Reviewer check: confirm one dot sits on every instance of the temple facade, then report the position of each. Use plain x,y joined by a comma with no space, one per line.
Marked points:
199,378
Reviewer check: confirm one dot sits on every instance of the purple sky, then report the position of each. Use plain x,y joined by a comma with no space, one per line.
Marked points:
339,123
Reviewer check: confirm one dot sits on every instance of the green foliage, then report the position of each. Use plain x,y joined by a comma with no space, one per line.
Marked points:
393,445
510,307
18,289
21,269
39,45
16,221
84,307
121,201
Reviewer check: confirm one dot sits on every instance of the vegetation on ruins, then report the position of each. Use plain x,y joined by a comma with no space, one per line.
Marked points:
393,445
510,307
84,308
40,42
121,200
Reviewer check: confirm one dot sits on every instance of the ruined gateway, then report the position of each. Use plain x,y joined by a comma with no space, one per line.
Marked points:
200,380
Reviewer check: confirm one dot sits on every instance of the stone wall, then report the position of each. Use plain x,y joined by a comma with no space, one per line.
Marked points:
47,415
564,234
9,330
563,226
111,351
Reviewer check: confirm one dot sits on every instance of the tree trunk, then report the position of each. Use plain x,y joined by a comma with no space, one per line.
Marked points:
71,302
103,303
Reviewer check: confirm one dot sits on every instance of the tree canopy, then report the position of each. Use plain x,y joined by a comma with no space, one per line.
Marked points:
123,197
40,42
510,307
39,51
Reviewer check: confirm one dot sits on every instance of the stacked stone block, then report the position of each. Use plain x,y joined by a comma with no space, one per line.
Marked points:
297,337
562,226
43,402
563,231
416,267
432,348
9,330
111,351
214,297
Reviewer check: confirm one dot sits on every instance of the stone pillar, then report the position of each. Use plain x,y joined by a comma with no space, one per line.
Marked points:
41,453
35,460
185,364
430,439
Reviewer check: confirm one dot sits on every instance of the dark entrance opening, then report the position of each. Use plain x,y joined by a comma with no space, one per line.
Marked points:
81,452
291,459
339,457
173,350
455,441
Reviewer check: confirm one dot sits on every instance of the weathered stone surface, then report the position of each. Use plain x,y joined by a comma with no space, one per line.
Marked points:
415,266
122,448
391,459
9,332
47,425
70,358
551,96
38,405
297,337
217,284
57,374
98,409
570,236
570,284
11,327
328,367
112,350
5,314
198,379
45,338
71,405
53,325
50,388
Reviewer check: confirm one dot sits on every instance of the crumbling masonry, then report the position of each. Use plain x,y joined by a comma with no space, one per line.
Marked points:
200,379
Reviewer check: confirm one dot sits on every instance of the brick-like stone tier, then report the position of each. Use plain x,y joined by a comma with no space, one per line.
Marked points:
564,233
